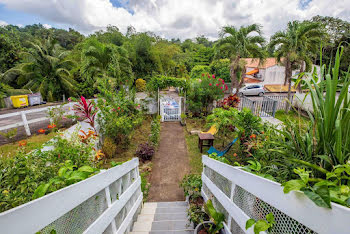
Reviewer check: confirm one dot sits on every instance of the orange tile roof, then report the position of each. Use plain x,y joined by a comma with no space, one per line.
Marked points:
254,62
248,80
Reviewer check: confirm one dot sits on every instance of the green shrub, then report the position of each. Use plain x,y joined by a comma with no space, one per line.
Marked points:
192,185
140,85
198,70
145,151
203,92
155,131
221,68
23,173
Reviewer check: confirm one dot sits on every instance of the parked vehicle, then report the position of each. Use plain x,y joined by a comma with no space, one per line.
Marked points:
254,89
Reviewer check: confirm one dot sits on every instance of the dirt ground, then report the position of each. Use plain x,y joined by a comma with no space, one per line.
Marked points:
170,164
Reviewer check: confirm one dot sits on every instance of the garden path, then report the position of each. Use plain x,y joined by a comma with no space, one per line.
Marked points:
170,164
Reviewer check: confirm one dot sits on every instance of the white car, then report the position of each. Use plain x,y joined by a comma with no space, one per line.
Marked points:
252,89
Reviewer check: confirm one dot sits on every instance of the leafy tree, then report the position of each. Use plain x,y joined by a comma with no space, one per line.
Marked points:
9,52
112,35
221,68
105,61
296,45
44,68
198,70
240,43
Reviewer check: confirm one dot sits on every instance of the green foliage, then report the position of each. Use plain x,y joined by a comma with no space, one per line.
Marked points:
154,137
261,225
221,69
119,115
162,82
198,70
9,52
196,214
140,85
192,185
202,92
56,114
68,174
216,217
23,173
44,68
9,134
224,121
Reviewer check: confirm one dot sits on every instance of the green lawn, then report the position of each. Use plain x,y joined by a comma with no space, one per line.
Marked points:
292,116
194,154
33,142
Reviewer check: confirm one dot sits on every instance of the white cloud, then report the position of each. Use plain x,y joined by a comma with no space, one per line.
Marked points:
180,18
3,23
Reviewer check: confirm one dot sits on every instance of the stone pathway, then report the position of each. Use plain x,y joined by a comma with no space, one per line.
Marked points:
170,164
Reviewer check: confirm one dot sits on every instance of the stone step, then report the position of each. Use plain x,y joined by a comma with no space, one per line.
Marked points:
163,217
168,225
167,232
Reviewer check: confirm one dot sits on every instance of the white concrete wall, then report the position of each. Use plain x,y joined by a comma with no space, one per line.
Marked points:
274,75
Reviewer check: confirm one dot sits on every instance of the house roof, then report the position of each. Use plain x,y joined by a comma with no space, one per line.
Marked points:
254,62
278,88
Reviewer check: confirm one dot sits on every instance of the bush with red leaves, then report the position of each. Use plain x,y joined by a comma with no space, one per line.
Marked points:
145,151
230,101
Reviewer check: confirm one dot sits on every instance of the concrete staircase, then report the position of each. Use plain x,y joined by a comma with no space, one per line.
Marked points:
163,217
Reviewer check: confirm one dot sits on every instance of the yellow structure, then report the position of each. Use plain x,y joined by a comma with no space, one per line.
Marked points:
212,130
19,101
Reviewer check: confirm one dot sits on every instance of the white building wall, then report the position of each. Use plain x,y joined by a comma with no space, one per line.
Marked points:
274,75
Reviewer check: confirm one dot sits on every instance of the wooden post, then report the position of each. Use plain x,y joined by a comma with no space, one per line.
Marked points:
25,123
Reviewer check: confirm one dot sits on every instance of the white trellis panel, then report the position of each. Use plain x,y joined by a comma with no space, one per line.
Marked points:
241,195
105,203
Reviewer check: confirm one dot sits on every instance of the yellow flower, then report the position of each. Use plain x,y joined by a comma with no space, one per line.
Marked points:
5,192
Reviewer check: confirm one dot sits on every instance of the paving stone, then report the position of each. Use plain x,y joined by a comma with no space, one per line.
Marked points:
171,225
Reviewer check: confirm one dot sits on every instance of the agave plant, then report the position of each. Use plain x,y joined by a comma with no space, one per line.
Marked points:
86,110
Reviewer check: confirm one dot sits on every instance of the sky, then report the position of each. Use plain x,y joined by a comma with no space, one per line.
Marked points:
168,18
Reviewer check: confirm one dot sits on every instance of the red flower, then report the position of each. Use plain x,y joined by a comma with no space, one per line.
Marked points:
217,84
213,76
22,143
41,130
202,74
118,107
210,84
221,87
51,126
234,155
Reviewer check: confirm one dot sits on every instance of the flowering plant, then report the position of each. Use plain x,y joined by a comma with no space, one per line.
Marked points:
86,110
203,92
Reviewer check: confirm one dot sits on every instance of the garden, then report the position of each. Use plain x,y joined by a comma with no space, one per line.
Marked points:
117,85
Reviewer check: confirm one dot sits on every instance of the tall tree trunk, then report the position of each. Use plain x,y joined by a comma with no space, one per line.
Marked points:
289,76
233,73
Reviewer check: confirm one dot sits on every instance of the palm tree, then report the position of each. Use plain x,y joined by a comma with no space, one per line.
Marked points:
296,45
105,61
240,43
44,68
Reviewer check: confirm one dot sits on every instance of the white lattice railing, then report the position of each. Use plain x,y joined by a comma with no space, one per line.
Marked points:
105,203
241,195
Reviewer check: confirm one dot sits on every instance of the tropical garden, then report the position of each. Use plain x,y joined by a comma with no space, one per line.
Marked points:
103,72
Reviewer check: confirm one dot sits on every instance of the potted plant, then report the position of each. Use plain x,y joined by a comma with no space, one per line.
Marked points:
183,119
215,225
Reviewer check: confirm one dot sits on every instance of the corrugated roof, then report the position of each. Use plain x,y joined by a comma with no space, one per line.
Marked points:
254,62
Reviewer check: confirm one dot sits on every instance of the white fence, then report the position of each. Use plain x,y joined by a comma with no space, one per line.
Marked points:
25,123
105,203
241,195
170,112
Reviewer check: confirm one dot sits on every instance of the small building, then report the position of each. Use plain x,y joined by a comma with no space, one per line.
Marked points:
270,73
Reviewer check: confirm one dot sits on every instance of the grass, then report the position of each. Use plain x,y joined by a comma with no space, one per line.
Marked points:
292,116
33,142
194,154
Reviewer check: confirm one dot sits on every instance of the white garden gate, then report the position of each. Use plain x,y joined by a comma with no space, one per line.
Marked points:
170,110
